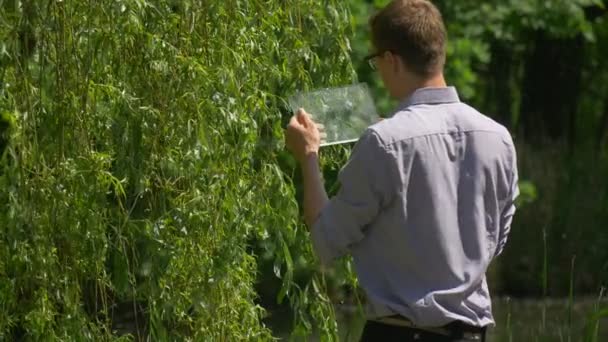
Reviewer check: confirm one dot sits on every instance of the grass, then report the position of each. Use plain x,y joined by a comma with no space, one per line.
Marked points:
593,321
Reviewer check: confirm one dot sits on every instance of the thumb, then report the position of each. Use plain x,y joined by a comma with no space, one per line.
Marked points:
303,117
294,121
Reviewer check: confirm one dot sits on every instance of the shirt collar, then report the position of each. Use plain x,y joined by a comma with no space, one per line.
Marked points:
431,96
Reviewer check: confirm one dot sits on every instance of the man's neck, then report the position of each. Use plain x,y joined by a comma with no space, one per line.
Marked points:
415,83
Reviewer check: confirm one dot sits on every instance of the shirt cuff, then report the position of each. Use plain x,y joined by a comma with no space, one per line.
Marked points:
320,243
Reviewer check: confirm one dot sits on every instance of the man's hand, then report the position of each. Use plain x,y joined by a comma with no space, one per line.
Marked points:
303,136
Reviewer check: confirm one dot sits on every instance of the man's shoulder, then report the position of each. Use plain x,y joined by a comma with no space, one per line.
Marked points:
419,121
484,123
403,124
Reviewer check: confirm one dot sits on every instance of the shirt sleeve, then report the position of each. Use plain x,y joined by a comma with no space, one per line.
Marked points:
508,210
365,188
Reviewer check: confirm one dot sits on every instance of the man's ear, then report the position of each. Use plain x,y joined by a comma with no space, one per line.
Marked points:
395,61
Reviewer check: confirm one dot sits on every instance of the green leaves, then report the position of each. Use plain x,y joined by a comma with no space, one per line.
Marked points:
146,156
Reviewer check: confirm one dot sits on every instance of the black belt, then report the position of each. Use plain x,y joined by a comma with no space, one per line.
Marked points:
453,329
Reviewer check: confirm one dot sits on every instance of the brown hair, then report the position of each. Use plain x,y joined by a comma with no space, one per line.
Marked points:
414,30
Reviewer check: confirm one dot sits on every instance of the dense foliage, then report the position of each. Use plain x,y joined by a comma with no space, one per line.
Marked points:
141,160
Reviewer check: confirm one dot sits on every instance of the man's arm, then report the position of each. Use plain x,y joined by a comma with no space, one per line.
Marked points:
303,139
366,186
508,211
315,197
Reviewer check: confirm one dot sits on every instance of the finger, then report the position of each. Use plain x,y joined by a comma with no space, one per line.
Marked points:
301,116
309,117
294,123
304,117
323,135
300,113
293,120
320,127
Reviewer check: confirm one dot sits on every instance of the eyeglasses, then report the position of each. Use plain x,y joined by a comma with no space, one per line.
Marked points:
371,60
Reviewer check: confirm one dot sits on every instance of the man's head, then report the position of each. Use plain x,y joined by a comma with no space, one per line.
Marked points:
409,38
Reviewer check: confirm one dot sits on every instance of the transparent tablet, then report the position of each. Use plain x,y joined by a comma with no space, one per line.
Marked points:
344,112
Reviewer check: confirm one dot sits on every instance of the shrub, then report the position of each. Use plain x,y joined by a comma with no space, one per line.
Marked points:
144,155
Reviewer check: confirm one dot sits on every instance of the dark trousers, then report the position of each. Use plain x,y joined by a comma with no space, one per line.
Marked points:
379,332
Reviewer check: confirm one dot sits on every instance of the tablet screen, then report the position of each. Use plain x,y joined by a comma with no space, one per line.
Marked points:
345,112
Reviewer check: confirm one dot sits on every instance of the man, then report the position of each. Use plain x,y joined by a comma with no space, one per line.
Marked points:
427,197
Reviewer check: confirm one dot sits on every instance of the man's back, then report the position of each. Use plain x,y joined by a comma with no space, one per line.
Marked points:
427,196
442,180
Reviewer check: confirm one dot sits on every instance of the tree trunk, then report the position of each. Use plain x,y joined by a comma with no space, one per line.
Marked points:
499,101
602,128
551,88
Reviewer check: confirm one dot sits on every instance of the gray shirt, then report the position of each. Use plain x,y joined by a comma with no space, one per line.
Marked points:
425,204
